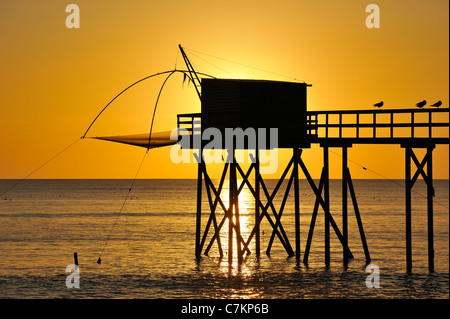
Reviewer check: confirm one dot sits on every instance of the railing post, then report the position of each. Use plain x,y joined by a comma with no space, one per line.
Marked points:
430,127
392,124
357,125
374,124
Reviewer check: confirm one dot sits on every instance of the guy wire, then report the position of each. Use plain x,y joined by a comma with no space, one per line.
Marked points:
121,208
41,166
384,177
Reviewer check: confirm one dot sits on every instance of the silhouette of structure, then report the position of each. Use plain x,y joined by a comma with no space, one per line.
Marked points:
259,104
265,104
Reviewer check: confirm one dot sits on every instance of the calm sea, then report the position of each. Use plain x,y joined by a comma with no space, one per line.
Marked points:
150,251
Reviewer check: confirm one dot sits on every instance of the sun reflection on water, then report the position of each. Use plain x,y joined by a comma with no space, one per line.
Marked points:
246,207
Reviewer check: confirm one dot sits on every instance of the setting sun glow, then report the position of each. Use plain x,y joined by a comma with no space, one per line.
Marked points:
57,79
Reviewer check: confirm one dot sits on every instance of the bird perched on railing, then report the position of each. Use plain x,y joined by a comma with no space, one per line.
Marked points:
421,104
379,104
437,104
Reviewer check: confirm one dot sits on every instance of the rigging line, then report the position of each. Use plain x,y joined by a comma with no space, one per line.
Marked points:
199,57
368,169
41,166
154,110
133,84
391,180
121,208
245,65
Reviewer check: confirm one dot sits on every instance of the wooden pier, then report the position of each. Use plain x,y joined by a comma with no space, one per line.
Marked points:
261,104
410,128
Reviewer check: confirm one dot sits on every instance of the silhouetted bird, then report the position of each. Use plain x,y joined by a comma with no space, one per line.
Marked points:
380,104
421,104
437,104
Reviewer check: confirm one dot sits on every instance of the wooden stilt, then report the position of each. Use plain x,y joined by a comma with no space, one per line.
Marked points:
313,221
280,233
327,206
280,212
358,216
344,203
199,209
224,219
296,154
257,208
234,204
408,208
324,206
430,195
216,235
230,212
212,216
409,183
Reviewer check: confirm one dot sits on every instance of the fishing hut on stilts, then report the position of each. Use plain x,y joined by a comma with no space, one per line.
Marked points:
261,105
241,104
277,111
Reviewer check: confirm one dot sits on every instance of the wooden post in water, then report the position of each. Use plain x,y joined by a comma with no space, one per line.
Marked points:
358,217
297,153
199,208
234,206
313,219
430,195
344,203
409,183
327,205
408,208
230,208
257,208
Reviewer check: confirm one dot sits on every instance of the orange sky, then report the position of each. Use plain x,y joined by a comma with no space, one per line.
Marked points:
55,80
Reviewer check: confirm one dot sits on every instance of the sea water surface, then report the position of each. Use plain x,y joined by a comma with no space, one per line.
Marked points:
148,249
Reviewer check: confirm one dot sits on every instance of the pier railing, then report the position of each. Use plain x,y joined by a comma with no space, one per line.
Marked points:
389,126
382,126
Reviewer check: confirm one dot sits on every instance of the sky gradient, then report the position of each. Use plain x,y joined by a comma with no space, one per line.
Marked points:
55,80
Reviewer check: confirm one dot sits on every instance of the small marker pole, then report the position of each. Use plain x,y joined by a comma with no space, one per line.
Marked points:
75,258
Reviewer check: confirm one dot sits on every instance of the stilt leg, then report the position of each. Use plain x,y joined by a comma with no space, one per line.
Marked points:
358,217
408,208
297,153
430,195
199,210
257,208
313,221
327,206
344,203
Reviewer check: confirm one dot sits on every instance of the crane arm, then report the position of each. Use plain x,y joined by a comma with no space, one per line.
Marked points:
193,75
